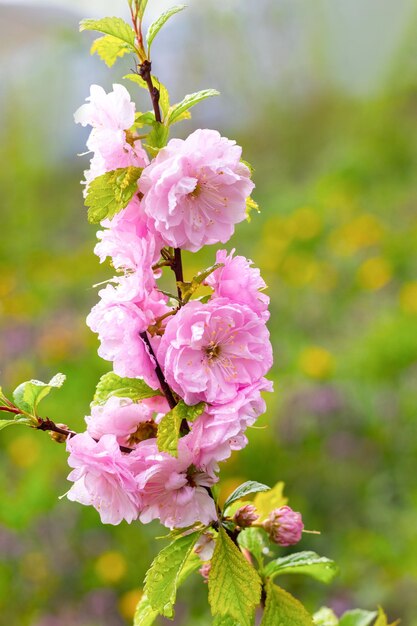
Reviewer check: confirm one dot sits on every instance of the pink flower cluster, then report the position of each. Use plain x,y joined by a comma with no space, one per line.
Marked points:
216,352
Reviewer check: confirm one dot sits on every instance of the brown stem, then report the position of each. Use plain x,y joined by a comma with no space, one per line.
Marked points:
158,371
10,409
178,271
46,424
145,73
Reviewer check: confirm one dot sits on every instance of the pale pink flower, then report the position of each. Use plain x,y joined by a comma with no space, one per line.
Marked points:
103,478
123,312
111,115
209,352
196,190
204,546
239,282
130,422
173,490
221,428
284,526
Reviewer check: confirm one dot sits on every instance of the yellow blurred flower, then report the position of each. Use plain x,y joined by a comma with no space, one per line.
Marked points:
408,298
316,362
306,223
299,269
24,450
374,273
111,567
128,603
34,566
326,278
361,232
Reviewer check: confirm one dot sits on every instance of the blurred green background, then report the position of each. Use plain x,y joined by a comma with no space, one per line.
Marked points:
323,98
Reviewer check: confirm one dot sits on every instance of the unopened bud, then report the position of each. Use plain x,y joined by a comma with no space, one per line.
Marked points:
205,571
245,516
59,437
284,526
205,547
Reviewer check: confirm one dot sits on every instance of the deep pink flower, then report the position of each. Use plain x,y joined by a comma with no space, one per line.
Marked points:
239,282
245,516
196,190
209,352
103,478
172,489
284,526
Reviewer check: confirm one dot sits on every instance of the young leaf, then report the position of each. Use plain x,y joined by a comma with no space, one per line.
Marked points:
25,421
114,26
156,26
245,489
112,385
110,48
382,620
158,136
28,395
189,101
225,620
145,615
142,119
234,585
189,288
309,563
325,617
357,617
256,541
141,7
283,609
163,577
267,502
111,192
169,426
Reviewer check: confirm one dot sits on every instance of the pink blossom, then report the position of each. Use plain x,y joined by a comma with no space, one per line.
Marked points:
172,489
284,526
103,478
125,311
205,546
245,516
211,351
196,190
130,422
221,428
110,115
239,282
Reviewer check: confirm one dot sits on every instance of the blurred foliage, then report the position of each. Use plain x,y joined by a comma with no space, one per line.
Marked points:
336,242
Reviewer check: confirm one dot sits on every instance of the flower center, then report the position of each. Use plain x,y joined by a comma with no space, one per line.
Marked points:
196,192
212,351
145,430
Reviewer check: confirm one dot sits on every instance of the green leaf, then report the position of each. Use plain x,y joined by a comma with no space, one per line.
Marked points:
110,48
111,384
141,7
283,609
357,617
256,541
28,395
114,26
251,205
142,119
225,620
382,620
145,615
270,500
189,288
24,421
163,577
158,136
169,426
245,489
234,585
111,192
189,101
325,617
309,563
156,26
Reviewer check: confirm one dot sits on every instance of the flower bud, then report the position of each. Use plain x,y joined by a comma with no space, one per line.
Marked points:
205,547
205,571
59,437
245,516
284,526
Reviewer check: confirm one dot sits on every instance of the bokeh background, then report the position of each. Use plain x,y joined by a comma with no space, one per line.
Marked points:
323,98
